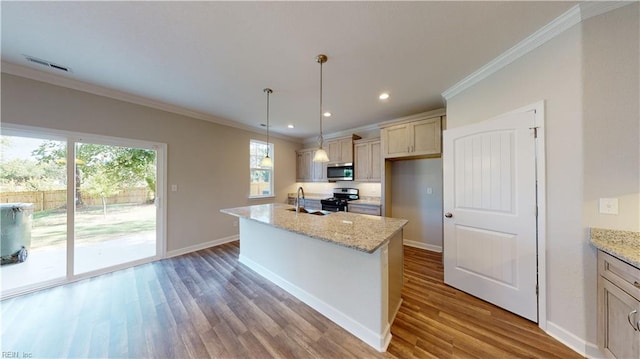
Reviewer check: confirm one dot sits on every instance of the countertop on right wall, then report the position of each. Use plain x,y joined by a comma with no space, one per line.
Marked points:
624,245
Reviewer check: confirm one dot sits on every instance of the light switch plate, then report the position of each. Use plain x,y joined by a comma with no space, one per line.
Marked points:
174,188
609,205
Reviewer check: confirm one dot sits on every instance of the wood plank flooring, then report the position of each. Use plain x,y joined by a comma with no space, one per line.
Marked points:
206,304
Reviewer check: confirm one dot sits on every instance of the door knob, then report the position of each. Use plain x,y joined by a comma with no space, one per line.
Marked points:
448,215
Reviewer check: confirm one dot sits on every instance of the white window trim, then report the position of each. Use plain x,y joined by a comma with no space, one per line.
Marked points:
272,169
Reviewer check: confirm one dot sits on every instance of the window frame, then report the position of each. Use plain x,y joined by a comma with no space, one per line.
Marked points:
258,168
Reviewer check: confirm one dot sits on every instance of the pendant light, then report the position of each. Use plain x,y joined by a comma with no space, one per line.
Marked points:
266,161
321,154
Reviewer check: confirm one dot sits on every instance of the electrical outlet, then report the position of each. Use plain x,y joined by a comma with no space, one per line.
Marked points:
429,190
174,188
609,205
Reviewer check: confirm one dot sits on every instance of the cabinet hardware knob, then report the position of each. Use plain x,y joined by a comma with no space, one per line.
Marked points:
448,215
636,284
635,328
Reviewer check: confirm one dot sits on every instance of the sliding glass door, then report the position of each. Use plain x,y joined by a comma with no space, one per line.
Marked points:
115,217
33,192
80,205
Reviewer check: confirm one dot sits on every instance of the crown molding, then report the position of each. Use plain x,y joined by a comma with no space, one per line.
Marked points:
570,18
589,9
57,80
573,16
343,133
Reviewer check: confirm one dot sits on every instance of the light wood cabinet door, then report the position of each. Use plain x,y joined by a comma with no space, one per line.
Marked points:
319,171
376,161
367,160
396,140
364,209
346,150
425,137
307,170
301,170
618,310
334,151
361,161
412,139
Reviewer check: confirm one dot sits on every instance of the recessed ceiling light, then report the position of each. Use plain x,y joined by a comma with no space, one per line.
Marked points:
327,114
290,126
384,96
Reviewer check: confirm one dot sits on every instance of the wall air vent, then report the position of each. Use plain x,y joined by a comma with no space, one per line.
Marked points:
46,63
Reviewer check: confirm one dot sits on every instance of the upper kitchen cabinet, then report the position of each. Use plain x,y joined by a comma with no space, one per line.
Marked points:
307,170
340,150
413,137
367,160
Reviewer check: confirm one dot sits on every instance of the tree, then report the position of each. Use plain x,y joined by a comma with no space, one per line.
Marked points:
104,169
102,184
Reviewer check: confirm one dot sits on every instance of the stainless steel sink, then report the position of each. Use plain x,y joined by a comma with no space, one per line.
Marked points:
316,212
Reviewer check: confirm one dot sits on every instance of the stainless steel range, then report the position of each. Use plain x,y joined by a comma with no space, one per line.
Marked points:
340,199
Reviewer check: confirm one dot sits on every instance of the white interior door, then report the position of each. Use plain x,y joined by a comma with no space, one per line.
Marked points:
490,211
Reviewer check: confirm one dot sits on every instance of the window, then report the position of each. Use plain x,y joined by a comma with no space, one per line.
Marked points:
261,183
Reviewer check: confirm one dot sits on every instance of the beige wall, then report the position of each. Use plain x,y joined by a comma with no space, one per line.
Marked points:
612,118
208,162
410,200
588,78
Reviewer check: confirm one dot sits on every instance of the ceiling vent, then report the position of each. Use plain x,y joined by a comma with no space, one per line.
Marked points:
46,63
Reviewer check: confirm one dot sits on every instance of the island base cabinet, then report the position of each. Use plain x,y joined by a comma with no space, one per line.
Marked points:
357,290
618,309
617,338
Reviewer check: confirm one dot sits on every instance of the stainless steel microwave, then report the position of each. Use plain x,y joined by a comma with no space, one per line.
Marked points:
340,172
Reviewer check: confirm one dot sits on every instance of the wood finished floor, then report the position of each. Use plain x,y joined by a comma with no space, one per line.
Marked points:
206,304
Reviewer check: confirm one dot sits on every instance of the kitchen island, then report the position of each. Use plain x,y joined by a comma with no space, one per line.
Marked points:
346,266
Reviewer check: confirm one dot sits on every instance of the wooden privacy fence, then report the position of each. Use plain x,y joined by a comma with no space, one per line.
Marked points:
44,200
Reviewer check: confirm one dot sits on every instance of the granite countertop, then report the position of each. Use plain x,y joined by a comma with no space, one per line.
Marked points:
624,245
360,232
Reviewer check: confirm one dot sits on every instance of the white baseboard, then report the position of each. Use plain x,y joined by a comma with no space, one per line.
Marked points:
422,245
377,341
197,247
577,344
593,352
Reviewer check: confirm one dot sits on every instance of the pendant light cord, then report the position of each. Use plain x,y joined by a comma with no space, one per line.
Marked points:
268,92
321,139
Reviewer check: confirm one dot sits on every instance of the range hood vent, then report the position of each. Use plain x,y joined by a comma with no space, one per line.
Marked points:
46,63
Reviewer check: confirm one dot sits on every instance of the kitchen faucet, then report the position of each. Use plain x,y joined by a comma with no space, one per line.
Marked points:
298,199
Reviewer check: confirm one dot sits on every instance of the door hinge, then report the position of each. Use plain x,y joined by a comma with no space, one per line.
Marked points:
535,131
537,290
536,211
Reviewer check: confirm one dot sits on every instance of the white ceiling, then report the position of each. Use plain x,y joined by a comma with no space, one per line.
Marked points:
216,57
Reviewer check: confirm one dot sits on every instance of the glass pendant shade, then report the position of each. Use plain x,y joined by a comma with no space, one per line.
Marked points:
266,162
320,156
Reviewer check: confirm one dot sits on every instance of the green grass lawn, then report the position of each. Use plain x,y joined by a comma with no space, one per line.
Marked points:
50,227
